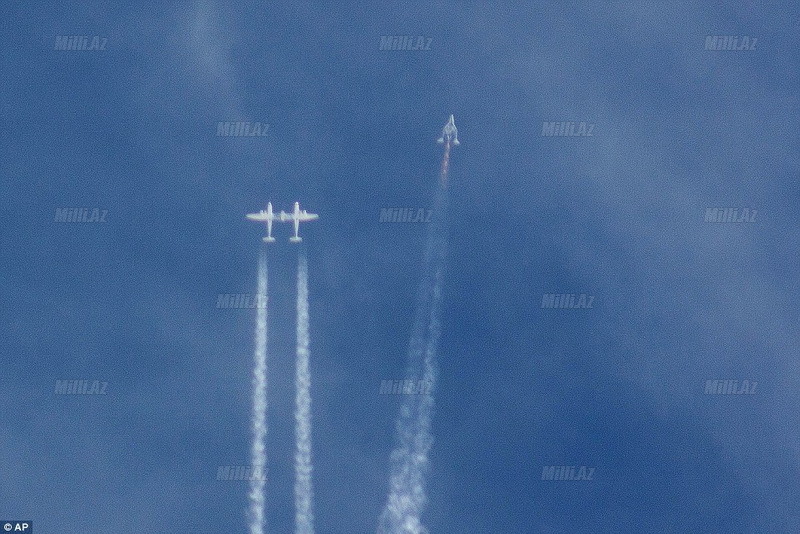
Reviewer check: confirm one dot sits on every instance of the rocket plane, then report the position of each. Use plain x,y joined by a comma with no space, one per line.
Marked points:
449,132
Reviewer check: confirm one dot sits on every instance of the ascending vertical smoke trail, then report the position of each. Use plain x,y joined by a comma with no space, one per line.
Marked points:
303,491
445,164
409,460
259,419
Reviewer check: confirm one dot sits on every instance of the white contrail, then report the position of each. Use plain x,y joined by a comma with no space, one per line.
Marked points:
303,491
258,449
409,460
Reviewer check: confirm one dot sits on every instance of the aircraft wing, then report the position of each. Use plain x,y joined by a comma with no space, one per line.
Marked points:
257,216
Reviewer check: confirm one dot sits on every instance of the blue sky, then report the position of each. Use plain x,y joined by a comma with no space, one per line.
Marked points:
619,215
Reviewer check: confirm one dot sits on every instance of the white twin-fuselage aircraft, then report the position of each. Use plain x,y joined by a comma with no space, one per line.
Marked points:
297,216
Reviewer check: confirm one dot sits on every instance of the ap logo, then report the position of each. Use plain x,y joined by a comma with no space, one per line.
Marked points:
18,526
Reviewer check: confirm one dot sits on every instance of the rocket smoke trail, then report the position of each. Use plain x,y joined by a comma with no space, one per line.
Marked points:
259,420
445,165
409,460
303,491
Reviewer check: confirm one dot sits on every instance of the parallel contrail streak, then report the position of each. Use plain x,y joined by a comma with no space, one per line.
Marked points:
303,491
259,419
409,460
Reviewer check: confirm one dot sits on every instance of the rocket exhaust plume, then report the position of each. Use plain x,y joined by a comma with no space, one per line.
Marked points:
409,460
449,137
259,419
303,491
445,165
